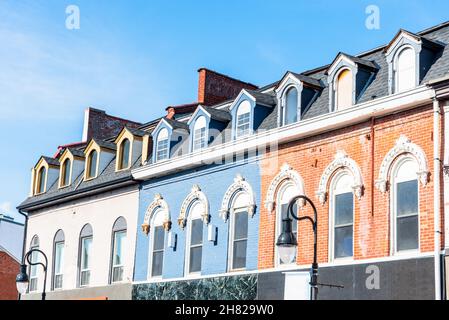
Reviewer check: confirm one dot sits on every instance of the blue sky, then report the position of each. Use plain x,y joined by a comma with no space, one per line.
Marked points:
133,58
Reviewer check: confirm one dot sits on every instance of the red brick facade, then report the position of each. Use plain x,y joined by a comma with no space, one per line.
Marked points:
310,157
9,268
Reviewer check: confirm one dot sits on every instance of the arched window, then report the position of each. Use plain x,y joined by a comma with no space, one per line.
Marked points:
238,238
124,154
162,145
58,260
341,216
291,106
157,243
286,193
405,204
194,243
199,134
92,161
405,70
85,255
33,269
343,90
117,252
243,119
65,173
41,180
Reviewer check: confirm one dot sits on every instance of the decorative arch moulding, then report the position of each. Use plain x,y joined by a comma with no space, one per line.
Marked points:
239,185
195,195
158,203
403,146
342,161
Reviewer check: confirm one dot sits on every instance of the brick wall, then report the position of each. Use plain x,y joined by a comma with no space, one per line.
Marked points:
309,157
9,268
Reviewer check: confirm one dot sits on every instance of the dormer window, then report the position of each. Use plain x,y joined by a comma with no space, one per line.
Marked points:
41,180
405,70
162,145
66,170
343,90
199,134
291,107
243,119
92,161
124,154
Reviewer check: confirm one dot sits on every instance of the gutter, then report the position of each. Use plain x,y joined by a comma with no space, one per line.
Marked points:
437,196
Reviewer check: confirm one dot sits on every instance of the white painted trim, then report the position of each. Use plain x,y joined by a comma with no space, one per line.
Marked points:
306,128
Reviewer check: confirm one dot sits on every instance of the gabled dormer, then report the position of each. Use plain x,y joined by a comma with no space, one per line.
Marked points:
129,147
295,94
44,175
205,125
71,165
348,77
248,111
98,155
409,57
168,139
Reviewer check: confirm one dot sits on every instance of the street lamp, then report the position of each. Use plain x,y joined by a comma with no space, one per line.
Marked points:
22,279
287,243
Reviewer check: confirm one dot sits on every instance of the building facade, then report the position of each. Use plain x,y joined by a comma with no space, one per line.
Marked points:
207,186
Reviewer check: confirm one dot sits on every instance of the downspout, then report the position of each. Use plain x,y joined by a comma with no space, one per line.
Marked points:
25,229
436,196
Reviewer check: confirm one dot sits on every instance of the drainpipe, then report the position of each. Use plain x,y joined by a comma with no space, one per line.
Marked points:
25,229
437,196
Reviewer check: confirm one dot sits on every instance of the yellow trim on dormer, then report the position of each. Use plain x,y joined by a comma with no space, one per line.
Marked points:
90,147
125,134
36,176
67,154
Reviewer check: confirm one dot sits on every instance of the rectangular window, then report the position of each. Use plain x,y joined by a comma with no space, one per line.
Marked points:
117,259
343,231
196,246
162,150
243,122
158,251
240,241
407,217
86,251
33,272
58,272
199,141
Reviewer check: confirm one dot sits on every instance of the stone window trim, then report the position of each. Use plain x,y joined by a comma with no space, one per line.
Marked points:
158,203
341,162
403,146
195,195
239,185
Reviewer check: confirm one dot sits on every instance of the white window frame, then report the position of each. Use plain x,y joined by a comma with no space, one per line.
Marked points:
396,71
235,211
199,134
246,106
114,247
61,272
88,270
336,89
34,279
191,217
162,137
285,105
393,205
333,193
156,221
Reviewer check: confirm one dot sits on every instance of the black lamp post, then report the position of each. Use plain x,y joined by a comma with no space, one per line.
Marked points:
22,278
287,241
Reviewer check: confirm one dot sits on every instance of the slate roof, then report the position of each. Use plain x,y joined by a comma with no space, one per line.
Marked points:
378,87
217,114
51,161
106,144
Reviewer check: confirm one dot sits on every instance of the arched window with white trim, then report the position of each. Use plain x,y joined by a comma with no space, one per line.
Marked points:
58,260
291,106
405,204
243,122
157,243
33,269
343,90
119,231
199,134
341,216
85,255
238,228
162,145
286,192
405,70
194,238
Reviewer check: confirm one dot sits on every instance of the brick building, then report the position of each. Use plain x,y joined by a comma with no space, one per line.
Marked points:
9,268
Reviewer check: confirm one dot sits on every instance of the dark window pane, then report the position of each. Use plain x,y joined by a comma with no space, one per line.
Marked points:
407,198
344,211
343,242
239,254
241,225
158,238
158,258
125,154
407,233
196,232
292,106
195,259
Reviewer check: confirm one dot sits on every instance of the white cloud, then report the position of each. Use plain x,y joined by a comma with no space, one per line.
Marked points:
5,207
